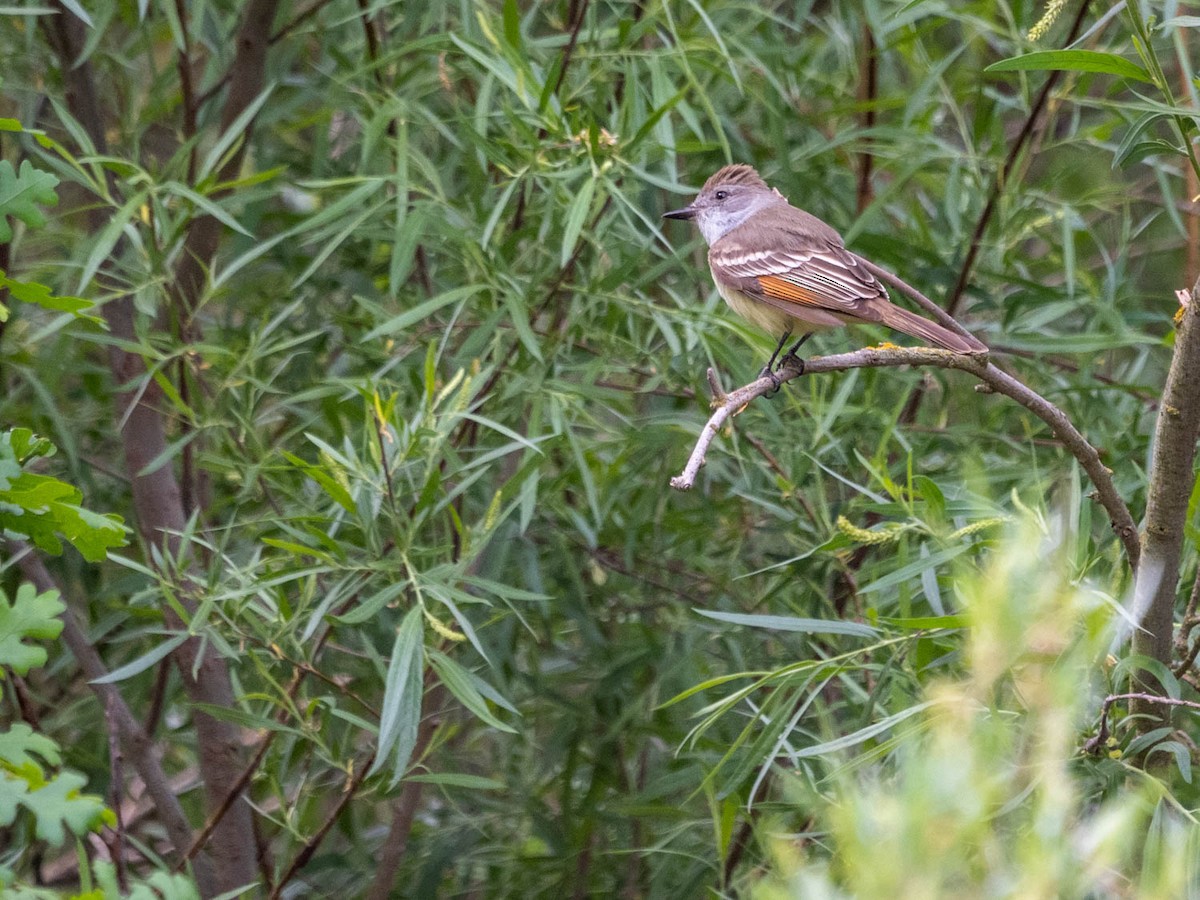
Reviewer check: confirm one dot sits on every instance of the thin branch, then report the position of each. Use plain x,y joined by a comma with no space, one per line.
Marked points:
1143,395
139,748
741,840
868,96
116,788
909,414
576,11
183,62
247,79
977,365
1192,213
575,16
1182,669
773,462
353,783
243,780
1006,170
373,49
300,18
279,35
1096,744
464,436
1186,627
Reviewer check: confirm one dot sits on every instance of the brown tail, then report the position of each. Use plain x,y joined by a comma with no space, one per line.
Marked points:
911,324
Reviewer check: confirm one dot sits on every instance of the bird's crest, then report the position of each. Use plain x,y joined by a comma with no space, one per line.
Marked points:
738,174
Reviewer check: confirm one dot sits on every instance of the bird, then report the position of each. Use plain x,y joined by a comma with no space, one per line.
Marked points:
783,269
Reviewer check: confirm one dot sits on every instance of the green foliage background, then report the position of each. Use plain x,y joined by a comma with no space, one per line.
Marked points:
448,358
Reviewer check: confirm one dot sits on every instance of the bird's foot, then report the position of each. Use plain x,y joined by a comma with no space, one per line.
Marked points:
775,381
791,361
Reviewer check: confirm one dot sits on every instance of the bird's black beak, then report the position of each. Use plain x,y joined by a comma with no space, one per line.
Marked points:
688,212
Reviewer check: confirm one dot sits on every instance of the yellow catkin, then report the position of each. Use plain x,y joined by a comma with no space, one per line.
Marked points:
493,513
863,536
1021,507
463,398
1053,8
976,527
442,628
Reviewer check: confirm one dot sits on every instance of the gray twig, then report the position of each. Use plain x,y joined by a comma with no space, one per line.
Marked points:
977,365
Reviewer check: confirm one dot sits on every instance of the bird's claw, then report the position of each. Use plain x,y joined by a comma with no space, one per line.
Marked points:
775,381
792,360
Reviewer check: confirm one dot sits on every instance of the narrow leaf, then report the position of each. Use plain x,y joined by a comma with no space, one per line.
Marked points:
402,694
789,623
1072,61
422,311
576,216
863,734
142,663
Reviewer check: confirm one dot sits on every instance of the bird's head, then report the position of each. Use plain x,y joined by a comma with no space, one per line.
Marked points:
728,199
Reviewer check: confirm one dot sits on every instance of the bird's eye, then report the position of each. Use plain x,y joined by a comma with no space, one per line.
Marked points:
721,195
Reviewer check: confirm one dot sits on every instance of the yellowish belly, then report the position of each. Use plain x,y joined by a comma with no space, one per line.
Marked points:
775,321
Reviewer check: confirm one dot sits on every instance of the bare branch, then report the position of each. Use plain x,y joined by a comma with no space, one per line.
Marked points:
1171,477
977,365
1096,744
355,775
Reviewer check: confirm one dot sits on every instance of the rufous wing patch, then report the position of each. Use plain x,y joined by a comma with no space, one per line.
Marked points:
783,289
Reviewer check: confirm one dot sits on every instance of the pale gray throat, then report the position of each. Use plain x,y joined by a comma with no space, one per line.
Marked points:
717,221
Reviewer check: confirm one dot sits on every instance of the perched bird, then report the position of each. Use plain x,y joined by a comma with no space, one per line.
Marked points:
785,270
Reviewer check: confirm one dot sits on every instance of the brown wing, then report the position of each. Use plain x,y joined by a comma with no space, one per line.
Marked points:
811,274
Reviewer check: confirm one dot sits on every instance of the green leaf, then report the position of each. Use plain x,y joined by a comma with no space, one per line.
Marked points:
142,662
789,623
79,11
402,694
1180,22
581,204
1183,757
336,491
208,206
13,792
519,319
92,534
59,803
863,734
236,131
512,24
458,681
39,294
41,507
927,623
20,194
915,568
25,445
18,747
460,779
1073,61
369,608
107,239
31,616
423,310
